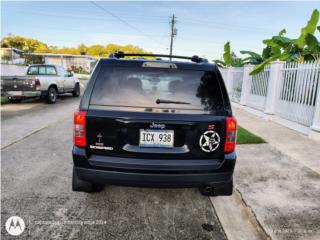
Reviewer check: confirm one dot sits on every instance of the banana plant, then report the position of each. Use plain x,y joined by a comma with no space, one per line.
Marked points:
254,58
227,57
230,59
305,47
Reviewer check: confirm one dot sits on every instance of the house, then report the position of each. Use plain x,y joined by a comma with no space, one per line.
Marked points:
68,61
11,55
80,63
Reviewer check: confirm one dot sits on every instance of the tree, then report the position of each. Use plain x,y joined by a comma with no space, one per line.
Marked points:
229,58
25,44
305,47
83,49
31,45
12,41
254,58
97,50
279,47
112,48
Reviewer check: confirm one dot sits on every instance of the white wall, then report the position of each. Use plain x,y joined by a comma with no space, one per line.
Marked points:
67,62
53,60
11,70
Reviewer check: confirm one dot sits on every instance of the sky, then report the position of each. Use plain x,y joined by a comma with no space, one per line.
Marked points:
203,27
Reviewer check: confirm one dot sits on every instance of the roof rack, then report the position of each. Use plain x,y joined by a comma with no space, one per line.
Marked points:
195,58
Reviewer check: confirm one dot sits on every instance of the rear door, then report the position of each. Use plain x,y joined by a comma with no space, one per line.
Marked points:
56,75
156,113
68,81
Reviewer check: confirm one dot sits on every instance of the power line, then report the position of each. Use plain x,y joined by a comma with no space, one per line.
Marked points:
124,22
85,31
216,25
73,16
38,8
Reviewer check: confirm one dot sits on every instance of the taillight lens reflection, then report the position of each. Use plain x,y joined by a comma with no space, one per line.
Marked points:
37,84
79,129
231,135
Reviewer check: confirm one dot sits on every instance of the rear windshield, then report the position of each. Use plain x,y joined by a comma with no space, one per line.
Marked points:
41,70
158,88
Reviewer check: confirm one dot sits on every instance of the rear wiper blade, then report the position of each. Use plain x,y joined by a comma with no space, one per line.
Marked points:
158,101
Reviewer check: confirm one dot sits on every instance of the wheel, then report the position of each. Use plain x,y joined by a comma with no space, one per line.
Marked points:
224,189
79,185
14,100
52,95
76,91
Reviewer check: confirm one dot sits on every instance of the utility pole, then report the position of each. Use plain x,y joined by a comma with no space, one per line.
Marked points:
173,33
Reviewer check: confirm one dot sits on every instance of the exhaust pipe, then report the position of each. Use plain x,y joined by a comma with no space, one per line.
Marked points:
208,190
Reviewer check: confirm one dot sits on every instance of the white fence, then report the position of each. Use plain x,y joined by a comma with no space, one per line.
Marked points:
237,78
12,70
258,90
297,92
287,93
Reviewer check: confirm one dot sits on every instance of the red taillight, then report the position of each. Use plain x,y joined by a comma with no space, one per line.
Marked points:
79,129
231,135
37,84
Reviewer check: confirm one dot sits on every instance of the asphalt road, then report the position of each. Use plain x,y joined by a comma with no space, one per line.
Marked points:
36,185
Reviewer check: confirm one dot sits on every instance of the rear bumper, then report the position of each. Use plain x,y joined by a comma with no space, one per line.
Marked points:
152,179
23,94
135,174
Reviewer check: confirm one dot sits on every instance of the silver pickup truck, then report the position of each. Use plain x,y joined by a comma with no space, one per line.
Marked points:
45,81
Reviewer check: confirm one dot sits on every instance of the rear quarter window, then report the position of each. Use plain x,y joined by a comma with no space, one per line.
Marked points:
51,70
42,70
142,87
33,70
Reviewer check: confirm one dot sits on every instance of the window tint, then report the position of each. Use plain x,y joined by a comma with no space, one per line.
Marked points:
33,70
51,70
42,70
141,87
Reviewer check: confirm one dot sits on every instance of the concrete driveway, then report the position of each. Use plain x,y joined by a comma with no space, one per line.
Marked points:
36,185
283,193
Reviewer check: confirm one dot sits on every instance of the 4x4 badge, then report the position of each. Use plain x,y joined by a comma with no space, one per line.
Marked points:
209,141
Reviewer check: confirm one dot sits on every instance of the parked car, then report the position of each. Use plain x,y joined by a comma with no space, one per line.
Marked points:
155,123
45,81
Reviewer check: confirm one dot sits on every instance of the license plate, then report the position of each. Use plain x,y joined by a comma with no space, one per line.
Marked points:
156,138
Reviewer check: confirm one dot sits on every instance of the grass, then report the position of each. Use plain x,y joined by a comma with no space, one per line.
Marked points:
4,99
246,137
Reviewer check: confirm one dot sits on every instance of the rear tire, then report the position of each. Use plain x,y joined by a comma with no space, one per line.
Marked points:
52,95
79,185
12,100
76,91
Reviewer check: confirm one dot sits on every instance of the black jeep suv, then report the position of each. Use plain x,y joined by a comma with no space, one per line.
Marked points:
145,122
